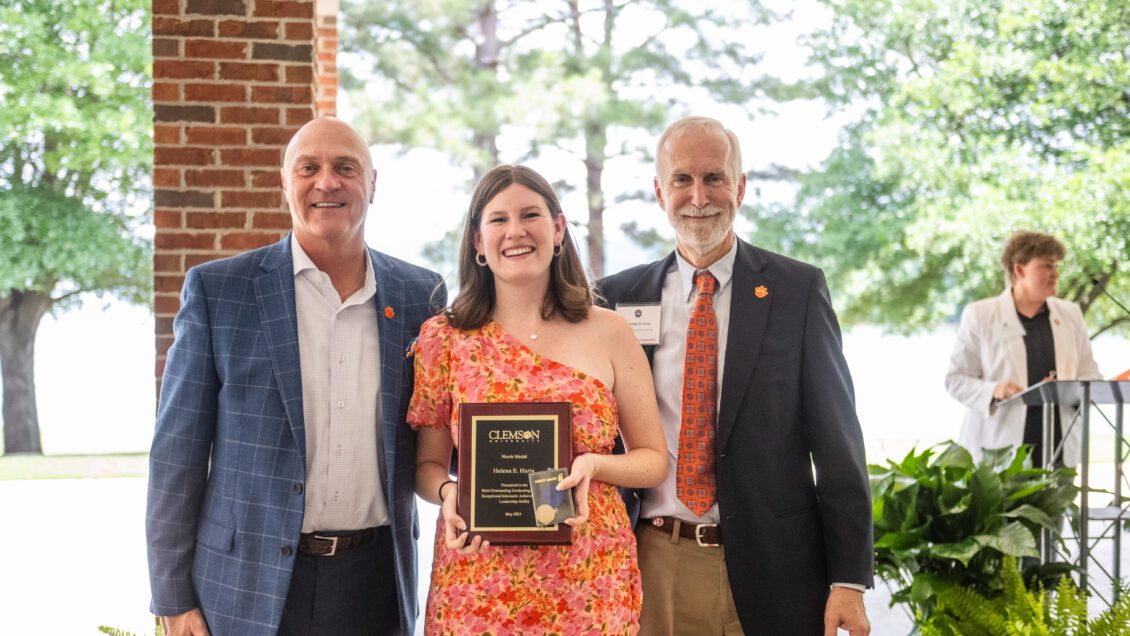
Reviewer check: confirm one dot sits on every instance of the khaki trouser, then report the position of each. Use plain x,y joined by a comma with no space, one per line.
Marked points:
685,587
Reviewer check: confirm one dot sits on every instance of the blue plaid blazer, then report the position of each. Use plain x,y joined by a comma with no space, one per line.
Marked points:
228,464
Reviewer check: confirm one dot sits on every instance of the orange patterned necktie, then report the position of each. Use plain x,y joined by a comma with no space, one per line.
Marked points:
695,483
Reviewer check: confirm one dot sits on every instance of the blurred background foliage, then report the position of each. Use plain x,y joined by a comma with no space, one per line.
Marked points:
975,119
583,77
76,157
965,121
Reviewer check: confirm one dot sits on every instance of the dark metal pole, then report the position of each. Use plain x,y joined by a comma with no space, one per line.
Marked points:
1047,452
1117,497
1084,508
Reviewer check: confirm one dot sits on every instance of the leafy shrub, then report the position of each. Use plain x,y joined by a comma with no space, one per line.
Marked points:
943,521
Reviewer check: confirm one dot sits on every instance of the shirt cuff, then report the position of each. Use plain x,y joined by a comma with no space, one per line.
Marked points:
851,586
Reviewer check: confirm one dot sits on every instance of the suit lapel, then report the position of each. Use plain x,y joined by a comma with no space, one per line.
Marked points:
748,318
1013,333
274,294
389,299
648,288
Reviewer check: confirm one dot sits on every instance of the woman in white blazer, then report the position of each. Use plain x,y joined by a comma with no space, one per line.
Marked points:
998,336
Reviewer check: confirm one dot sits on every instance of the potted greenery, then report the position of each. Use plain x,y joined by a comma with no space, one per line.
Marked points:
942,520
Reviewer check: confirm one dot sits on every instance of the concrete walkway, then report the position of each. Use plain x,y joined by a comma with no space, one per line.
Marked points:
76,559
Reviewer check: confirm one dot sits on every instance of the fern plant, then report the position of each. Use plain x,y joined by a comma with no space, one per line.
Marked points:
962,611
115,631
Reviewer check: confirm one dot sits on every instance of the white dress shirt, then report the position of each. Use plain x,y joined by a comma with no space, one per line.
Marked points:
667,365
338,345
667,371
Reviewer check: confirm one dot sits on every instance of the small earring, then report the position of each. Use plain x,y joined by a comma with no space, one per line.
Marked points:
480,259
557,250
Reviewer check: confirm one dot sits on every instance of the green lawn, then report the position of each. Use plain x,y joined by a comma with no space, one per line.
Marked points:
73,466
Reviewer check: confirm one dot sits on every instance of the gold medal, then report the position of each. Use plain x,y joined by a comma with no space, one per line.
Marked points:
545,514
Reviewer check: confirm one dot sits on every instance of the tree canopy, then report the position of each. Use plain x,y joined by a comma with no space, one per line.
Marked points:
975,119
75,162
580,76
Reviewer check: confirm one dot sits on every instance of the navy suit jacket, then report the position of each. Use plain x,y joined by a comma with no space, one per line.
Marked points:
787,405
228,462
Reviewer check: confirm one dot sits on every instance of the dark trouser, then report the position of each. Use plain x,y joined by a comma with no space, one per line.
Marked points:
1034,435
350,593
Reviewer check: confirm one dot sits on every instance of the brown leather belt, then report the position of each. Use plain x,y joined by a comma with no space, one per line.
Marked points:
314,544
707,535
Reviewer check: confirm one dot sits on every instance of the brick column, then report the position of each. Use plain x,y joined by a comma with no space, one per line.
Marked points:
232,81
325,61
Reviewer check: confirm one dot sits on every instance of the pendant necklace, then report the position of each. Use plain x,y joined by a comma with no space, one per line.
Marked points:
541,323
349,293
533,335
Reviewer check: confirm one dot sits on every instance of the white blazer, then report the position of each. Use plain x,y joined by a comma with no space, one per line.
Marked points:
990,350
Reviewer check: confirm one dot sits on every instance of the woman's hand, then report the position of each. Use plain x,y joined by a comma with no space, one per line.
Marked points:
584,468
1005,390
455,529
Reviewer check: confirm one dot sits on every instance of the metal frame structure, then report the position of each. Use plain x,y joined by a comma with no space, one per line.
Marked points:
1096,394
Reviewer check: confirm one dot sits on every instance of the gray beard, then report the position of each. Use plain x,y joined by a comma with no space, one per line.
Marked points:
703,239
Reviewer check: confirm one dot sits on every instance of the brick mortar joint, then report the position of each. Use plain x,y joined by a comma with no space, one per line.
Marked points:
230,38
244,103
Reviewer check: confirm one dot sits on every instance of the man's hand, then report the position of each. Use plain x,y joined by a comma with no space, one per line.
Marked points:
845,610
191,623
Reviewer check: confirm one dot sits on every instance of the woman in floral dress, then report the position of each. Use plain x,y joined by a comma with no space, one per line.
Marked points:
524,328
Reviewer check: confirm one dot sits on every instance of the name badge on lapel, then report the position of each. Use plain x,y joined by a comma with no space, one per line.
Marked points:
644,320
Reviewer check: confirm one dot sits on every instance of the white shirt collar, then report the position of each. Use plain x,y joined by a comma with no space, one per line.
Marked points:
301,259
302,263
722,269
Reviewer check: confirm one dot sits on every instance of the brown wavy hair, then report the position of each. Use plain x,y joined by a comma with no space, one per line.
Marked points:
569,294
1025,245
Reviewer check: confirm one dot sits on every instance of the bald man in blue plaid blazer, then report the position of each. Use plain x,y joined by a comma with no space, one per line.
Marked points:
228,466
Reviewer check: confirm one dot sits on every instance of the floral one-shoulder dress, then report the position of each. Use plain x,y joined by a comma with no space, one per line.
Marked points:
589,587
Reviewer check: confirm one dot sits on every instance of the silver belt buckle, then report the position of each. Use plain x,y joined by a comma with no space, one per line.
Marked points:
698,535
333,544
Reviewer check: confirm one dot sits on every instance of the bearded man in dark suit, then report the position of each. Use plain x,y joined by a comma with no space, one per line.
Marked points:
764,523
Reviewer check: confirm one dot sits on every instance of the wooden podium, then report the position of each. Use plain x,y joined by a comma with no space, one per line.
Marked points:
1050,394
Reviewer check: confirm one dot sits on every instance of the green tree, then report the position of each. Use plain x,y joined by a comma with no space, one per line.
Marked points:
976,119
578,76
75,162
